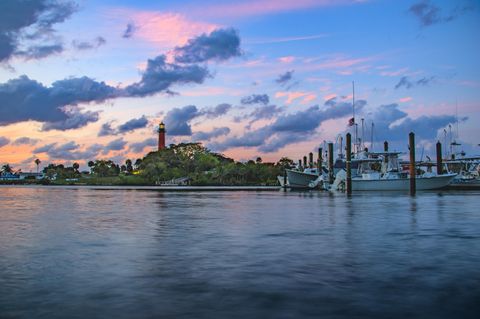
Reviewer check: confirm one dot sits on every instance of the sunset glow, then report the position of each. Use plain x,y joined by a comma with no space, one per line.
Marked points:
107,74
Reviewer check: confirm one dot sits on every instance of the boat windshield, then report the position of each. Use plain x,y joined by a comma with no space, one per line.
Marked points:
393,164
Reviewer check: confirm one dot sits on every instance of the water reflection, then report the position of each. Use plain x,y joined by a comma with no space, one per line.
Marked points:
116,253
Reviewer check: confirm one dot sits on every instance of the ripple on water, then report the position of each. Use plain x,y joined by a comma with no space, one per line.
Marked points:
83,252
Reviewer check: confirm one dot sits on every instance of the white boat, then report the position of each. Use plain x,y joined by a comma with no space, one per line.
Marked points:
395,182
308,178
468,172
390,177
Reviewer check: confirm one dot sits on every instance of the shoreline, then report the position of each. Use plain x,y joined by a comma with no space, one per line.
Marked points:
152,187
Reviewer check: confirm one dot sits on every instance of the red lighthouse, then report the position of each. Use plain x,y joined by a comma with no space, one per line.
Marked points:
161,136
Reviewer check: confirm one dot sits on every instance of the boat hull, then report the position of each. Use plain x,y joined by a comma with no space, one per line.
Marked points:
465,184
298,179
402,184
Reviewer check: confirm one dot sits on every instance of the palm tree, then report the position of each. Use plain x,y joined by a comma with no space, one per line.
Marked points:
91,164
7,168
37,162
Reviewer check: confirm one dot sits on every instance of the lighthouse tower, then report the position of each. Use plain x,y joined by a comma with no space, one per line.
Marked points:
161,136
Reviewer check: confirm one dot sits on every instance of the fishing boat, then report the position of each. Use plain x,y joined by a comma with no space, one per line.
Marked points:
301,178
382,172
467,170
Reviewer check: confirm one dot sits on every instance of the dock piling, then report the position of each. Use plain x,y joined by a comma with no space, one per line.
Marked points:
385,146
319,162
411,144
330,163
305,162
349,164
310,159
439,158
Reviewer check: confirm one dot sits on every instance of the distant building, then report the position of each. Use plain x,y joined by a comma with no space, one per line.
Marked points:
161,136
31,175
9,177
182,181
21,176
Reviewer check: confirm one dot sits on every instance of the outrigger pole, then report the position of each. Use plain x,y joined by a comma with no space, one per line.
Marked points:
354,122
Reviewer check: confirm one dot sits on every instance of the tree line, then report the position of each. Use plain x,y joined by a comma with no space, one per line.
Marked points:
191,161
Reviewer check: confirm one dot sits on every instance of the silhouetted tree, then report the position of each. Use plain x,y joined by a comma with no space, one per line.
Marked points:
6,168
138,162
37,162
128,165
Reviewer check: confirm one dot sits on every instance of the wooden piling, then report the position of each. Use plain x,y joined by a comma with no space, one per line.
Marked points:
300,164
411,143
439,159
319,162
310,160
385,149
330,163
304,162
349,164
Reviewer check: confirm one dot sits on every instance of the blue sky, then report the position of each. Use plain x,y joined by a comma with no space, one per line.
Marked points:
413,63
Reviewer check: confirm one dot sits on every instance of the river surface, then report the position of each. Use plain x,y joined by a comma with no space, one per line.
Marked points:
116,253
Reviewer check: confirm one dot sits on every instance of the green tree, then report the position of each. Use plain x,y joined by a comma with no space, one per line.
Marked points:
37,162
204,167
128,166
138,162
285,163
104,168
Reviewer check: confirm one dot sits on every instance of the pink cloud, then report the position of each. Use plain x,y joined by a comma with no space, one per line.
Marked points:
399,72
165,29
309,98
405,99
212,91
253,63
341,62
286,59
291,96
329,96
287,39
345,72
262,7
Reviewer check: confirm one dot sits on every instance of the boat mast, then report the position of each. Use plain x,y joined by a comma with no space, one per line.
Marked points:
341,146
445,143
353,111
451,140
456,116
371,138
362,141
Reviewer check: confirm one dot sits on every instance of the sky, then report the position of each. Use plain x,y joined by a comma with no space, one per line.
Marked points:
84,80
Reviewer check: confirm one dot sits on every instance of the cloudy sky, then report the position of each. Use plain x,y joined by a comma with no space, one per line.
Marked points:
85,79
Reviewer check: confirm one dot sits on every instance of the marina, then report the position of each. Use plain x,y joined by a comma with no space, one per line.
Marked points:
242,159
383,171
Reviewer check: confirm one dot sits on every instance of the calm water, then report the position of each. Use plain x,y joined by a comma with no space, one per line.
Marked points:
86,253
